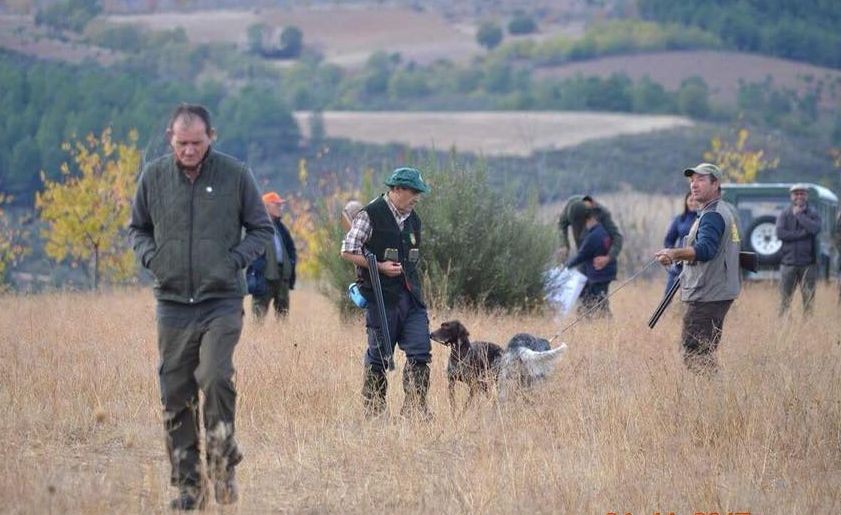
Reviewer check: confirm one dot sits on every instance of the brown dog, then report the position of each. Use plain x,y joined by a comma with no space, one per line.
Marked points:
475,364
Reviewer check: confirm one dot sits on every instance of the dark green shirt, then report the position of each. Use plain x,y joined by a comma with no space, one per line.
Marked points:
573,216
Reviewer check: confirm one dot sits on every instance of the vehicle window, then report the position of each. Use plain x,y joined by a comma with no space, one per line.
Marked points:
750,208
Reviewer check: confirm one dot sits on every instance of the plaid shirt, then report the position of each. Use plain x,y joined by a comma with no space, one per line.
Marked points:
361,229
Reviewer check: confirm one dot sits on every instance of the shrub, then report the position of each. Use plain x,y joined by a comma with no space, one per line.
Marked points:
477,249
693,97
291,41
521,23
489,35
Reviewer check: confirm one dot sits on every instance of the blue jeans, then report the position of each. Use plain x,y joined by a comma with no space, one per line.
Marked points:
408,327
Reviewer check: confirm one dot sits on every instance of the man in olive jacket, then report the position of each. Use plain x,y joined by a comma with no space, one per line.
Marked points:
186,228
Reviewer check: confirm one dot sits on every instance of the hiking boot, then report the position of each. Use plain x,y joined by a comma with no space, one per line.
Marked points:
415,387
374,388
225,488
189,498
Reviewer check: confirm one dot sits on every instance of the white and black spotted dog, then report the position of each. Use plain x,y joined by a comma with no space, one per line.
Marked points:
527,360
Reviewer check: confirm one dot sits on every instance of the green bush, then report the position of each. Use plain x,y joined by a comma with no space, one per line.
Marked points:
489,35
477,248
522,23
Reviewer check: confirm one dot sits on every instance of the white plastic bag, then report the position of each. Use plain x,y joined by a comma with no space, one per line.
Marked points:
563,286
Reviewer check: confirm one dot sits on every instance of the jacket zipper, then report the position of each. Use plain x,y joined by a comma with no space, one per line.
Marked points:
190,244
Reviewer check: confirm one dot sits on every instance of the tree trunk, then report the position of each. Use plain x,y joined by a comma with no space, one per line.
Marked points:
95,268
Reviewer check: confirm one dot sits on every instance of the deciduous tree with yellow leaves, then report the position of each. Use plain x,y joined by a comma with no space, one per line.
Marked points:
737,162
11,246
87,210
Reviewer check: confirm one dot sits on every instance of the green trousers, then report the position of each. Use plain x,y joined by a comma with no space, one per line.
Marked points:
790,277
196,345
277,292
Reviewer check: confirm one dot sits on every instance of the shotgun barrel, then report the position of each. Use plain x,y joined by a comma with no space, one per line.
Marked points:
374,272
661,308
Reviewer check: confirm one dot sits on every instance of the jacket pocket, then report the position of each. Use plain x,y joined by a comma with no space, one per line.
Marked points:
167,266
219,271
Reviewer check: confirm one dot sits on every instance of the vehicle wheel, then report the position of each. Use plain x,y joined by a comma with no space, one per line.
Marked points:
762,239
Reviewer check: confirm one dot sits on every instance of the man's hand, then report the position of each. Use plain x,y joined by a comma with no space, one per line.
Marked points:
562,255
390,268
666,257
600,262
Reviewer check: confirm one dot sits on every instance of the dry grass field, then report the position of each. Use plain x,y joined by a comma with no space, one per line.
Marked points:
722,71
491,133
346,35
621,427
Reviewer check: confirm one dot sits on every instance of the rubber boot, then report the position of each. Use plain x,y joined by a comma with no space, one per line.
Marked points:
190,497
415,387
374,388
222,458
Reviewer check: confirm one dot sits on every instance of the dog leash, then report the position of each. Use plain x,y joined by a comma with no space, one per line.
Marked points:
600,302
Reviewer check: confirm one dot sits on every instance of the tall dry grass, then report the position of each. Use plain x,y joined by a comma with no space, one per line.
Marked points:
621,426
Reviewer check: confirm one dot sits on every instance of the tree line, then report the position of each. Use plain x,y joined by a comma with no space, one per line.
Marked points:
805,30
43,105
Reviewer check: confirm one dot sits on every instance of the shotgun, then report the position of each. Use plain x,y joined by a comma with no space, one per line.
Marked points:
661,308
374,272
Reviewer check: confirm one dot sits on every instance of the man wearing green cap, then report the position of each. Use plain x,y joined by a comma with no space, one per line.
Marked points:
389,228
710,280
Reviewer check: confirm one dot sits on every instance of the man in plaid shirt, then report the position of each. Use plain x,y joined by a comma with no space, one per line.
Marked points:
390,229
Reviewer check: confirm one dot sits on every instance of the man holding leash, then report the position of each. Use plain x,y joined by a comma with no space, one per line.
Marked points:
389,228
711,279
186,229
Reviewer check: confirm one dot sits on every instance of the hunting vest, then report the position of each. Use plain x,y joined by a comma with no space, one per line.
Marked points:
719,278
386,234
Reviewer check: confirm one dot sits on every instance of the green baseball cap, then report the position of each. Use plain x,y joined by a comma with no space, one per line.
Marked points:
408,178
703,169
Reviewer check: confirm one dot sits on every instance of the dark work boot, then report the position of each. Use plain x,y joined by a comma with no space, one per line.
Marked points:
415,387
189,498
374,387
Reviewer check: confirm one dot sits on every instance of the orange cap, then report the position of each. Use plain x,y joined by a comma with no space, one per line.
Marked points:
272,198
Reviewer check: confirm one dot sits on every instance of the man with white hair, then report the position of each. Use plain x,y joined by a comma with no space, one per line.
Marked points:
798,227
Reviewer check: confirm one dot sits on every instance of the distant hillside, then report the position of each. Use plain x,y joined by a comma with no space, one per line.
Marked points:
722,71
499,133
344,35
804,30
